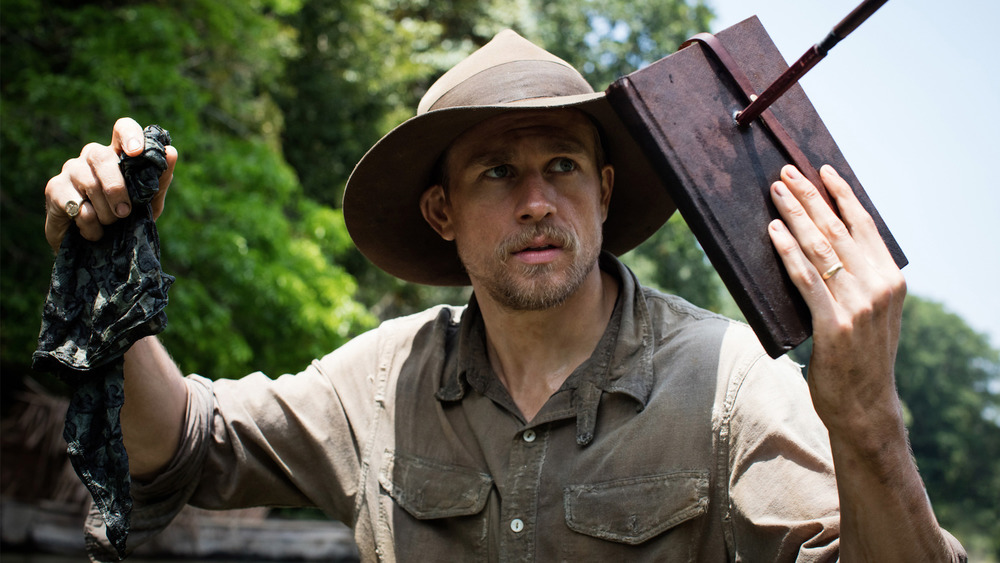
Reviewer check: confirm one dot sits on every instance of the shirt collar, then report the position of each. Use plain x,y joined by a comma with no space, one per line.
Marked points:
622,362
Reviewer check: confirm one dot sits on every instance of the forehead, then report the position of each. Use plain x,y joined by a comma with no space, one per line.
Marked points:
570,129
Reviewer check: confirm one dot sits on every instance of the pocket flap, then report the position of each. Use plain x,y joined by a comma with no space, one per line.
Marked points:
428,489
636,509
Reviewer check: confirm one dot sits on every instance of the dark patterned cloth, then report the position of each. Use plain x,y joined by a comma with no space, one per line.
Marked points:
105,296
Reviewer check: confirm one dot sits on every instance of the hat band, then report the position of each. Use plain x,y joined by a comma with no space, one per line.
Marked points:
513,82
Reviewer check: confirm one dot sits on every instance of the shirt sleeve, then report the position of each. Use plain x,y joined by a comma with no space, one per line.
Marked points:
157,502
291,442
782,486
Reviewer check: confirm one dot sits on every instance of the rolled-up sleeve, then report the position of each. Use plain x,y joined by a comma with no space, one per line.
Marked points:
290,441
781,483
157,502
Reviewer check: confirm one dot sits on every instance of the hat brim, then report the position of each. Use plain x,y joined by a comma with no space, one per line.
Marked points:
382,198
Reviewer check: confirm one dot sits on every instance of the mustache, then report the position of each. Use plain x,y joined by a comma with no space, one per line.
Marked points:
553,235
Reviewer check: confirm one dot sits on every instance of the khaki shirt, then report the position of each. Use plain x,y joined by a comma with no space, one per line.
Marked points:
678,440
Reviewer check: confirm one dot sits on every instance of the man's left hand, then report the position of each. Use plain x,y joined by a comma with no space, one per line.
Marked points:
855,293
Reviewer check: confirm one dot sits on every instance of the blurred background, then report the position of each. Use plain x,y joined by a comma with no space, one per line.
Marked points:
271,103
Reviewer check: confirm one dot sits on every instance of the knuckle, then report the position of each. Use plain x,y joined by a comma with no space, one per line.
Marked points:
810,194
843,326
90,150
785,245
838,230
52,186
72,164
899,283
886,295
98,155
823,250
865,311
797,212
865,221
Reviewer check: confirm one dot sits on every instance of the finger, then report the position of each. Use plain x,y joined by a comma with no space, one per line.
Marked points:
803,274
61,194
109,195
83,174
86,189
812,242
886,281
818,210
165,179
857,219
127,137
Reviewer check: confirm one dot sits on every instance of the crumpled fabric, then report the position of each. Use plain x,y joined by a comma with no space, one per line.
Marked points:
104,296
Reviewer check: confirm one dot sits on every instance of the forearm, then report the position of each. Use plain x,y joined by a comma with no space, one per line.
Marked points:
885,512
155,405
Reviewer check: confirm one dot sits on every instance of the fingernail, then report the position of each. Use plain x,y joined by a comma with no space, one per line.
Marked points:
780,189
829,170
133,145
122,209
792,172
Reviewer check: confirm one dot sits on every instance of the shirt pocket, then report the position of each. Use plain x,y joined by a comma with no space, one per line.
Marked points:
437,511
429,490
634,510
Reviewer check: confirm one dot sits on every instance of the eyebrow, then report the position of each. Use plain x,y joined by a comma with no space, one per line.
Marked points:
492,157
569,146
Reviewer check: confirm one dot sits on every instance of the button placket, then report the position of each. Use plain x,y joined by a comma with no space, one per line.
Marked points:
527,456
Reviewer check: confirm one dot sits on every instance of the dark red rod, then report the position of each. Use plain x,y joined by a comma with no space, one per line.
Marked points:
814,55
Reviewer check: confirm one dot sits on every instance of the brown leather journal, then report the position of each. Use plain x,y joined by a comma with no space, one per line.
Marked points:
681,111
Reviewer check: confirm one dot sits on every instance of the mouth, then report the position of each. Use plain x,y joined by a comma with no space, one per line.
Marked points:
537,248
542,244
538,252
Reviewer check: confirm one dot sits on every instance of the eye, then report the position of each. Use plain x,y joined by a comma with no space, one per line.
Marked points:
563,165
496,172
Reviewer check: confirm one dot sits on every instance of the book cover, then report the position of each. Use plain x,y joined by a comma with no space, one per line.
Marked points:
681,110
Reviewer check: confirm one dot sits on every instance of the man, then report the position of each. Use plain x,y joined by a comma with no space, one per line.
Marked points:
567,413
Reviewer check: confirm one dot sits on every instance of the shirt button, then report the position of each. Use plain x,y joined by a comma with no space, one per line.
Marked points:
529,435
516,525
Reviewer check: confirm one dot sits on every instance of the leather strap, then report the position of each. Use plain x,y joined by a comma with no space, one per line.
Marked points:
783,139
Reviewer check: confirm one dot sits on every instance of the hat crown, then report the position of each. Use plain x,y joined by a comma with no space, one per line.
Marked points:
507,69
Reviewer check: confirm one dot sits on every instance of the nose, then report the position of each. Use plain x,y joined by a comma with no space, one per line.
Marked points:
536,198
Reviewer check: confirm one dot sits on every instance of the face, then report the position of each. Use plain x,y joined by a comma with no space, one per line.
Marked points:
525,203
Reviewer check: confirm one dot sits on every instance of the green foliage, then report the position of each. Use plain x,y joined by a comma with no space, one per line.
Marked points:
346,87
610,38
258,283
672,261
949,380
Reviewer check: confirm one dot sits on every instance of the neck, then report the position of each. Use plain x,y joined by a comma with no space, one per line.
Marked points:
533,352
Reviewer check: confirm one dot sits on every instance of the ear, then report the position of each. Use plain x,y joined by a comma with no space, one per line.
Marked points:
435,208
607,186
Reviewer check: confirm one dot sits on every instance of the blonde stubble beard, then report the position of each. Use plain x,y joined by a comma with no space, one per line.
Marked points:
530,287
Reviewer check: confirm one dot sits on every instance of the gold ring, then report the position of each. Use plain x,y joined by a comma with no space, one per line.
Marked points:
72,208
832,271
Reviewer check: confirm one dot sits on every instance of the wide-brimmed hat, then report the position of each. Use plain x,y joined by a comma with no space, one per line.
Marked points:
382,198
